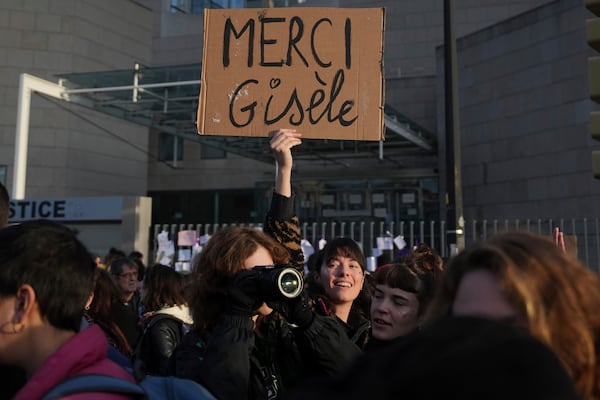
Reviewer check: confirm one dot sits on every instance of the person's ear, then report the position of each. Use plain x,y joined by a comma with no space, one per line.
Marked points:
24,306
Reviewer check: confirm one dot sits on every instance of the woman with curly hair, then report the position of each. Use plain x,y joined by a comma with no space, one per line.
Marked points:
248,342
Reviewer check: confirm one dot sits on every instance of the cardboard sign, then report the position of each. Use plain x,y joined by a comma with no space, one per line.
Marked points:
318,70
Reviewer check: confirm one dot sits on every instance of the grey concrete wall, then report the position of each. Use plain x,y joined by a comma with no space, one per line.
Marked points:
68,155
524,104
413,31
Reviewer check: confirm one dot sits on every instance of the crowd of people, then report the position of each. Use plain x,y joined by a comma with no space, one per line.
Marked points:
514,316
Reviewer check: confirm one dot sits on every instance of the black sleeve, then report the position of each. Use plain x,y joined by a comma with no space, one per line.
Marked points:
162,339
283,226
221,361
187,357
325,346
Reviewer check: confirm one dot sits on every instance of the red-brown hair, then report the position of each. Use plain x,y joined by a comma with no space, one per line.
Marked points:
557,298
221,258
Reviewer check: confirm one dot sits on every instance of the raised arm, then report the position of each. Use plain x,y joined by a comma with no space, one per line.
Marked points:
281,144
281,222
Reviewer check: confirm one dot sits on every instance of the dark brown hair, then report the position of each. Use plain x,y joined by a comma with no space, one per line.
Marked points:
100,312
105,294
344,247
427,259
163,287
410,278
341,246
112,255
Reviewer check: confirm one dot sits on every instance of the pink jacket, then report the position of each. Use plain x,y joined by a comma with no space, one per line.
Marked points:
84,353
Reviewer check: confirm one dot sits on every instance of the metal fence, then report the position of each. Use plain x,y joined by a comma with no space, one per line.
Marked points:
584,233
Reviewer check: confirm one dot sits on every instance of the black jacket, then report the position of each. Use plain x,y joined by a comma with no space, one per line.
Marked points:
358,326
374,345
463,358
127,321
236,360
161,336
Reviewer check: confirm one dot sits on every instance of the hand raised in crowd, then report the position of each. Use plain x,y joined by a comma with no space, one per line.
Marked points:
281,143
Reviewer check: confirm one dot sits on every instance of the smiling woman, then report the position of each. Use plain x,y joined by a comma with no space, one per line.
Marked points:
338,287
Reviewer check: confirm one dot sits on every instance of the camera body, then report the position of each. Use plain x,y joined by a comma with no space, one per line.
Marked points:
278,280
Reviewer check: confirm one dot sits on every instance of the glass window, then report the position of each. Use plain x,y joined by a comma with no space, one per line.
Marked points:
181,6
170,148
198,6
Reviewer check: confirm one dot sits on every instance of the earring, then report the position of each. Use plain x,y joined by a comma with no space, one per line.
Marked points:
86,308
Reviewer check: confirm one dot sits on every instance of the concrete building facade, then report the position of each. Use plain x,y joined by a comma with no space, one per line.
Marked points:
68,156
526,151
525,112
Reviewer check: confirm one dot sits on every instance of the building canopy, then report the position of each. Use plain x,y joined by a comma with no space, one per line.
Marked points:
165,99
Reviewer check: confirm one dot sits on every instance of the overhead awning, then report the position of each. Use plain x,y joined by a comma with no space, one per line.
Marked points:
166,99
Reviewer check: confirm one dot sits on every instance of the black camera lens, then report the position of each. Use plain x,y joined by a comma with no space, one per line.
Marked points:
278,280
289,282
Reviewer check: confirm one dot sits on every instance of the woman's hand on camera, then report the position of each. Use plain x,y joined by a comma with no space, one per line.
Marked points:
296,311
243,294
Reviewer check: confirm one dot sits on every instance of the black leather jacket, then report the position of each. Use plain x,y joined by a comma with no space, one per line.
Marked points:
162,334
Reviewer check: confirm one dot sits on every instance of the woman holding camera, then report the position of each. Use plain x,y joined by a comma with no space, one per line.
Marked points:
239,348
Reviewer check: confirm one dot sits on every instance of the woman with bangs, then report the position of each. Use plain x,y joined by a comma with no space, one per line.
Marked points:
339,286
400,300
402,295
246,344
526,280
